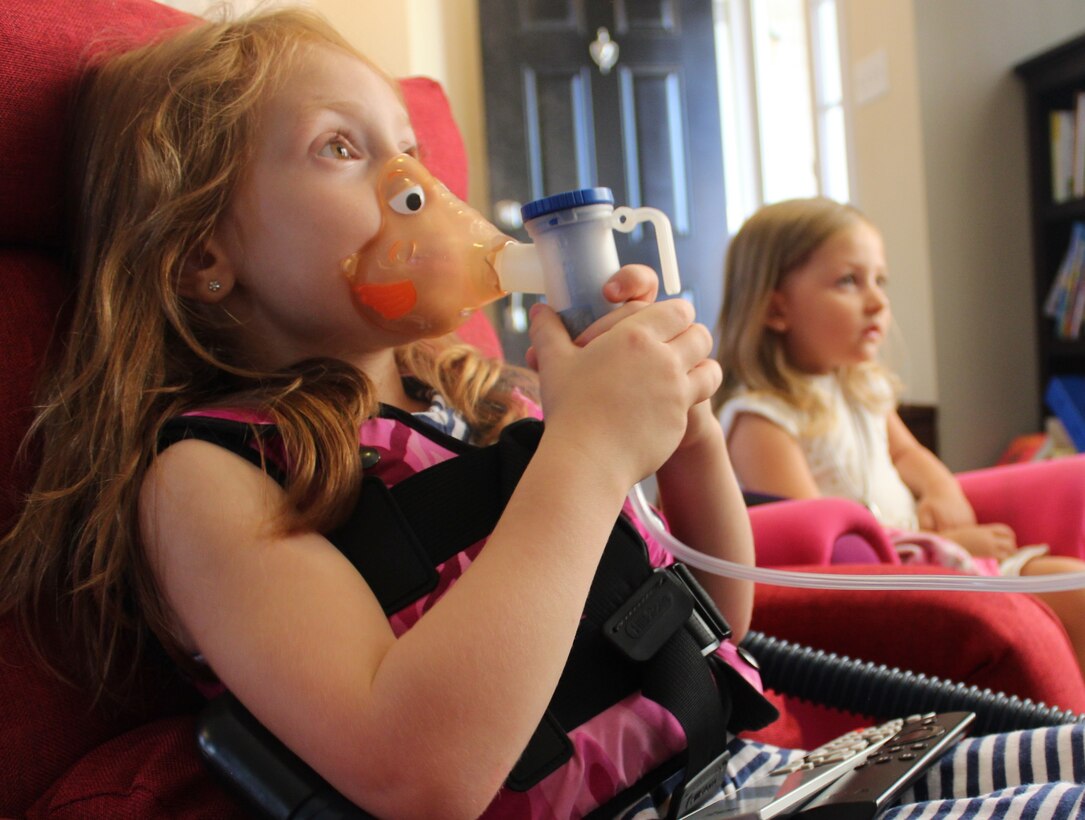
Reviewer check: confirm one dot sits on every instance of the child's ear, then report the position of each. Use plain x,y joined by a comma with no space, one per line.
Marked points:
207,275
776,317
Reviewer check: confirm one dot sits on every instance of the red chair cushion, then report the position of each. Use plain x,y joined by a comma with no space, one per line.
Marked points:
1008,642
42,46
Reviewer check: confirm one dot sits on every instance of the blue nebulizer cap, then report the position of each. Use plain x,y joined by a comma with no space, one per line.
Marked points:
566,199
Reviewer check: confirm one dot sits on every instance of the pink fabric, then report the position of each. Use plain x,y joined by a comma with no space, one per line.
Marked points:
610,752
931,549
1008,642
1043,501
806,531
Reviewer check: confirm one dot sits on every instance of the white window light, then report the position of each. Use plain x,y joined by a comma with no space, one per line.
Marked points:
782,102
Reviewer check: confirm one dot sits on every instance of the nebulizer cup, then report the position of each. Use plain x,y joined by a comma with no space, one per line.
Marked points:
572,253
435,260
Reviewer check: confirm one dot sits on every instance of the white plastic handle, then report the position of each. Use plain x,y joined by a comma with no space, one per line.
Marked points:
625,219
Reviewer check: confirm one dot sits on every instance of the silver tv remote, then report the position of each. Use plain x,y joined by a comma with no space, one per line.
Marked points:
867,789
785,789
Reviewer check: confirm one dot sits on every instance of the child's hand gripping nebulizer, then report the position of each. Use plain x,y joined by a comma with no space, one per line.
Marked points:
434,261
573,254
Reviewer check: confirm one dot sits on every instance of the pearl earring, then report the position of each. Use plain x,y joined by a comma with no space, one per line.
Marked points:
214,286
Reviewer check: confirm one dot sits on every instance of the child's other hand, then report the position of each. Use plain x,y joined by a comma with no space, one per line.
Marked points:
625,396
985,540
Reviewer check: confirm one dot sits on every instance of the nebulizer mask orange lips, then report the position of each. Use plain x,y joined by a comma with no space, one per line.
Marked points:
435,260
431,264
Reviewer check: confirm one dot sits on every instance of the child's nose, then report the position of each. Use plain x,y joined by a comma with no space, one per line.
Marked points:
877,299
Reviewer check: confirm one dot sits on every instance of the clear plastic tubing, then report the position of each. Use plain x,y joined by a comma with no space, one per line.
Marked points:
1057,582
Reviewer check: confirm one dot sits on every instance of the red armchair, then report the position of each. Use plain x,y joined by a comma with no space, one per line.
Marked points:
61,756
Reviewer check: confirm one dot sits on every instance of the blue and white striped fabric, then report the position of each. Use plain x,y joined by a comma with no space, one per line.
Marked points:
1037,774
444,418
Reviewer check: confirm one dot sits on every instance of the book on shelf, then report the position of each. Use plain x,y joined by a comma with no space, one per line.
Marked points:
1077,175
1065,395
1062,153
1065,302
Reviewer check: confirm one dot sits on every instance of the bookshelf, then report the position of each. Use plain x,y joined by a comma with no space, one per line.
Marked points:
1053,81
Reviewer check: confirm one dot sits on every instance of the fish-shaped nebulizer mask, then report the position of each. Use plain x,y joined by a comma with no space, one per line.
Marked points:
431,264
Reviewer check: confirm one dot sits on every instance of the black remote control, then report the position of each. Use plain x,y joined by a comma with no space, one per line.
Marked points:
868,788
786,788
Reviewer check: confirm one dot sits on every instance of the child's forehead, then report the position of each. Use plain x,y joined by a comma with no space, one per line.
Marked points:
324,76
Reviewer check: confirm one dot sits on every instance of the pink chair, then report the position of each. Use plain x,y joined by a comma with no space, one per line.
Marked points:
1006,642
1044,501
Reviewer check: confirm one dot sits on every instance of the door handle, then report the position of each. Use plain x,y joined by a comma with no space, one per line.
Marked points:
603,50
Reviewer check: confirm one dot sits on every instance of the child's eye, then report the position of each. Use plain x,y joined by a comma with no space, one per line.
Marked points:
338,147
846,280
409,201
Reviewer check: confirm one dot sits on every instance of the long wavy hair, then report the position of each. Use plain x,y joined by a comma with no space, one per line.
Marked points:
164,133
775,241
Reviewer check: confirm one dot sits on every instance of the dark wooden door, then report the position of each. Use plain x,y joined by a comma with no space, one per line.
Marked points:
649,127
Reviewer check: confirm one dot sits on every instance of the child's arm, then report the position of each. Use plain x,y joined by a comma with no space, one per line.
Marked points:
704,507
941,505
698,489
940,501
768,459
428,724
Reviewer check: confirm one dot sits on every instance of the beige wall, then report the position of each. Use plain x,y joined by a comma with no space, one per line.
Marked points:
972,115
889,183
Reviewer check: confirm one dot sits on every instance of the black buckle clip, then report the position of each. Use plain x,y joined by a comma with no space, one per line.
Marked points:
669,599
706,623
701,787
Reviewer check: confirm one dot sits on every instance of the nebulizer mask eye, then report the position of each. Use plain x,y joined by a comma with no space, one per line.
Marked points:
435,261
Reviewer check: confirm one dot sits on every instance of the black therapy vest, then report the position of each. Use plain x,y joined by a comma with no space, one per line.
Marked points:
644,629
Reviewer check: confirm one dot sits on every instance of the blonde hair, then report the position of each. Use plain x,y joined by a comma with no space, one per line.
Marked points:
164,134
775,241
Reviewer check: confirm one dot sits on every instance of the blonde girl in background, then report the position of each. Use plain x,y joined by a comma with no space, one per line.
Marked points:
809,410
231,177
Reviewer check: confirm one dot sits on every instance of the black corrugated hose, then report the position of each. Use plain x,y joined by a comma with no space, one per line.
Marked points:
882,693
